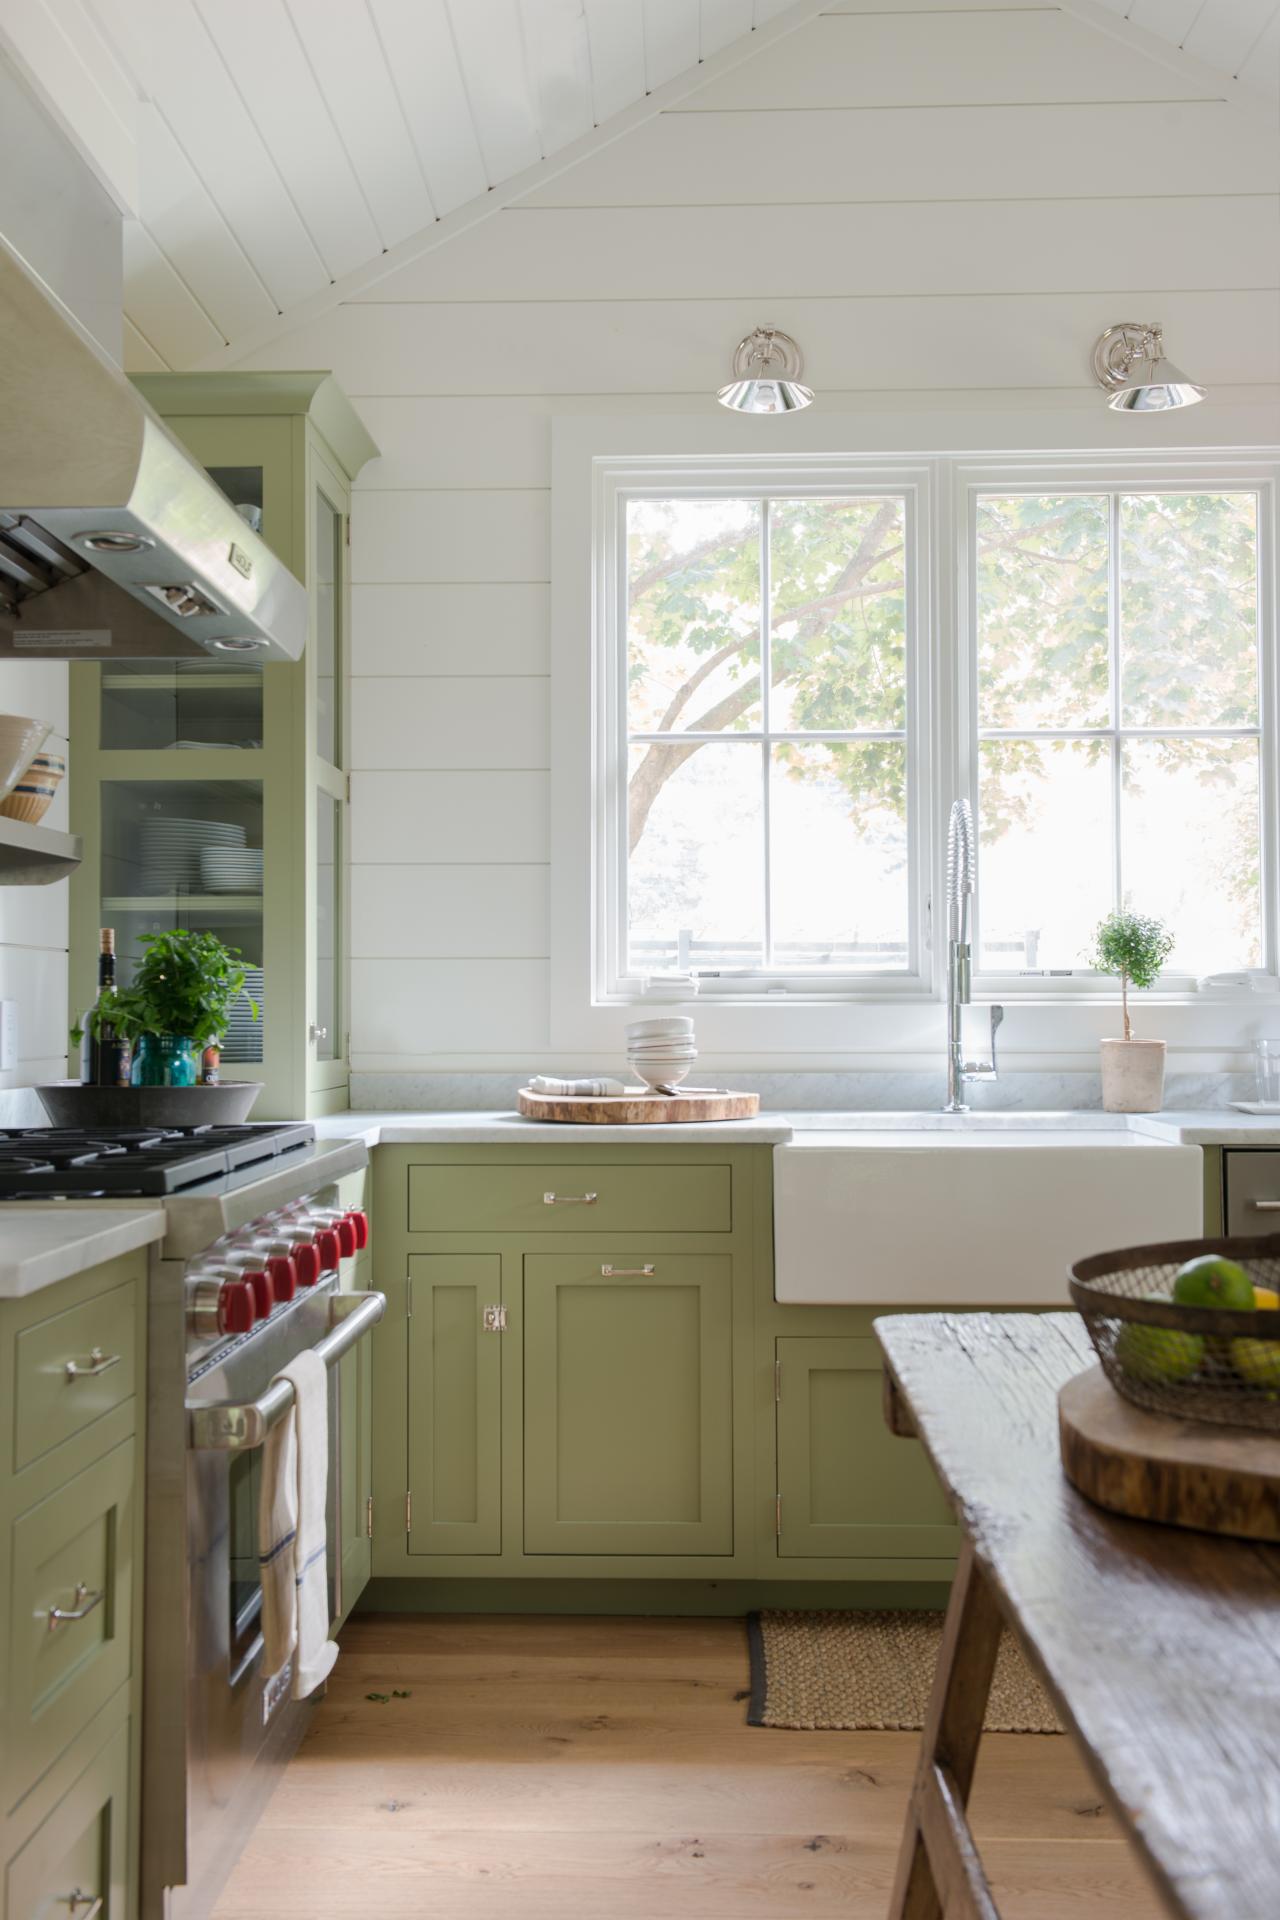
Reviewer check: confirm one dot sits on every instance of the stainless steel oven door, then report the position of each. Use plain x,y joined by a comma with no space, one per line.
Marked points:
241,1723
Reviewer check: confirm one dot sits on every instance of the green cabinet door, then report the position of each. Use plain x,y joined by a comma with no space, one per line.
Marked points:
455,1404
355,1477
628,1405
75,1865
849,1488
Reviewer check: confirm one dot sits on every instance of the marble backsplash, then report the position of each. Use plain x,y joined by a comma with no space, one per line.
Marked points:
880,1092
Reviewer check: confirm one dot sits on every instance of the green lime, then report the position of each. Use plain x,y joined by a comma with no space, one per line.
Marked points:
1257,1361
1158,1353
1211,1281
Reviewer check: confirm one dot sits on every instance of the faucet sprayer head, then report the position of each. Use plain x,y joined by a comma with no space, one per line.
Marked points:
960,869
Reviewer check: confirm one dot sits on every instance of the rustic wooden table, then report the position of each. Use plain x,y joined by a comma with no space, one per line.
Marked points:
1160,1647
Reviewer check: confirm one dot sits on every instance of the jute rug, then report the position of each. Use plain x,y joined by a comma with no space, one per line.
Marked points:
873,1671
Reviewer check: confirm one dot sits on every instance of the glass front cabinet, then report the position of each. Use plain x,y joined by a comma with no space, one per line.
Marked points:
212,793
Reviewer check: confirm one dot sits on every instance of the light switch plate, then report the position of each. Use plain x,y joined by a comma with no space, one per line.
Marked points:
8,1034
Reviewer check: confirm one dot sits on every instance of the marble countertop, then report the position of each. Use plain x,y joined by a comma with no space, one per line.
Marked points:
511,1129
41,1245
1208,1128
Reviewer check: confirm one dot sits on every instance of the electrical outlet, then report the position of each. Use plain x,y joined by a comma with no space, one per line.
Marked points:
8,1034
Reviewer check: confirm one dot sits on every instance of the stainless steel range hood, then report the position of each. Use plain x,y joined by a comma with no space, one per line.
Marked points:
114,544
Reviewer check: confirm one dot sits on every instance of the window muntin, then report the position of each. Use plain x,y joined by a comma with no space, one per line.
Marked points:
767,796
1119,746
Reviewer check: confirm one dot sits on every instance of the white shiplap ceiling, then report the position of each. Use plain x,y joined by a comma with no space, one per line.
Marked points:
287,147
283,144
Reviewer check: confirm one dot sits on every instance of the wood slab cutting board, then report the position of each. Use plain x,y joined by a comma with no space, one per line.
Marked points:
639,1109
1182,1473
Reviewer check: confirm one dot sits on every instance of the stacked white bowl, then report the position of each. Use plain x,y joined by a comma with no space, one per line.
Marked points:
661,1051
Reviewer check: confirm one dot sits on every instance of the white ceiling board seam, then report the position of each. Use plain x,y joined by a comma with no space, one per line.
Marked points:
1249,105
214,202
1257,41
466,94
400,106
484,206
268,149
305,51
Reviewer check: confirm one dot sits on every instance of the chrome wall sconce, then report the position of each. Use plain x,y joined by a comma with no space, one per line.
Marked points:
766,375
1130,364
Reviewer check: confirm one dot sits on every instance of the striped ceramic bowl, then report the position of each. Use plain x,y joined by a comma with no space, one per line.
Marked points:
32,795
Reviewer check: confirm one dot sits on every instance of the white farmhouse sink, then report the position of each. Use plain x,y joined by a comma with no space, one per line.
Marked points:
976,1210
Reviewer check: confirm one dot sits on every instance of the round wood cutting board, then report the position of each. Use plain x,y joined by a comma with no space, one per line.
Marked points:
1182,1473
639,1109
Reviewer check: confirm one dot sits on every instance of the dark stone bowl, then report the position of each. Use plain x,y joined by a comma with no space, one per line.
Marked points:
71,1105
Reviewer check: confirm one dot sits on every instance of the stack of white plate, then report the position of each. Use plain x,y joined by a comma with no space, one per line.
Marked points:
231,869
171,848
661,1051
244,1034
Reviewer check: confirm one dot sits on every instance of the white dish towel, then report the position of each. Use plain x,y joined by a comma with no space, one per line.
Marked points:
291,1531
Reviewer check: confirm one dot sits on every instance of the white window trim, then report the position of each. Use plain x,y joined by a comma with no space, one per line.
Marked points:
883,1024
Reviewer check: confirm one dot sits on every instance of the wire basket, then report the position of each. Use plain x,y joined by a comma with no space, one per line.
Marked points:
1196,1363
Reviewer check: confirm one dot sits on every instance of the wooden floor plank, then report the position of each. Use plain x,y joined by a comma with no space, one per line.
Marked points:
579,1768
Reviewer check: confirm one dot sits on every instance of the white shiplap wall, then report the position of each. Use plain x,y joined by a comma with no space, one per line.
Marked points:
936,199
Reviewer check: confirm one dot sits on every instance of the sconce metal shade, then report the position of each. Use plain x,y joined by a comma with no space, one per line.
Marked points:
1130,364
766,370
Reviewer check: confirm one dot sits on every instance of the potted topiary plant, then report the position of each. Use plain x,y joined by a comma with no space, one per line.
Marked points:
1134,947
181,996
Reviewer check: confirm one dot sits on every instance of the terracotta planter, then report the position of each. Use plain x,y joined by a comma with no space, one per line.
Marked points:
1132,1076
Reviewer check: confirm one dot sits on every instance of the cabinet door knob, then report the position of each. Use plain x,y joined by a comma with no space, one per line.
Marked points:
98,1362
86,1601
318,1033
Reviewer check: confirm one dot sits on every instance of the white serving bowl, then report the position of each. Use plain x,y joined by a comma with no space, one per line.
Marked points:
20,741
671,1076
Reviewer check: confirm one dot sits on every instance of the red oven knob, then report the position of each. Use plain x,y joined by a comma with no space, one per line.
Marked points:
307,1261
360,1225
236,1308
329,1250
284,1276
346,1232
258,1281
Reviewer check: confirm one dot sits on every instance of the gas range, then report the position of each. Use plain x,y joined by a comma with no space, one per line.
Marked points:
82,1163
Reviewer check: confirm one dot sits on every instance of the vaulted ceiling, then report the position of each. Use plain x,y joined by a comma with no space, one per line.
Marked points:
290,149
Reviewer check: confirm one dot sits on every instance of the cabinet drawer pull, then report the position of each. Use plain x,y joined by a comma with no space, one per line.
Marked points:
569,1199
75,1900
86,1601
627,1273
99,1362
1266,1206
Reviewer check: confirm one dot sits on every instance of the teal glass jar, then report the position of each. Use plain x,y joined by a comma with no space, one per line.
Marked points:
165,1060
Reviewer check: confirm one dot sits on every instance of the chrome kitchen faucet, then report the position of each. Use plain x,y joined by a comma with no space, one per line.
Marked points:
960,876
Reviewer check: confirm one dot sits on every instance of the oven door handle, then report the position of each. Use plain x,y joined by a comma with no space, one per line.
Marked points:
228,1427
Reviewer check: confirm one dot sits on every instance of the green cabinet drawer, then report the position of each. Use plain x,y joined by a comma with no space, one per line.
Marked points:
73,1555
560,1197
95,1338
80,1854
628,1403
455,1404
849,1488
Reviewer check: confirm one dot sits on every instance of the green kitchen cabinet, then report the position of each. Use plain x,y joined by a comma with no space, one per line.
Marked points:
456,1342
628,1403
847,1487
257,753
578,1379
72,1360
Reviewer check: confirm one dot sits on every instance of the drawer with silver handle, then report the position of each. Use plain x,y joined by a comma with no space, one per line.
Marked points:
564,1197
72,1367
1251,1181
73,1580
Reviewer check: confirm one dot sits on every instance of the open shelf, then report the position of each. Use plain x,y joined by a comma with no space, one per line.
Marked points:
204,904
36,856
